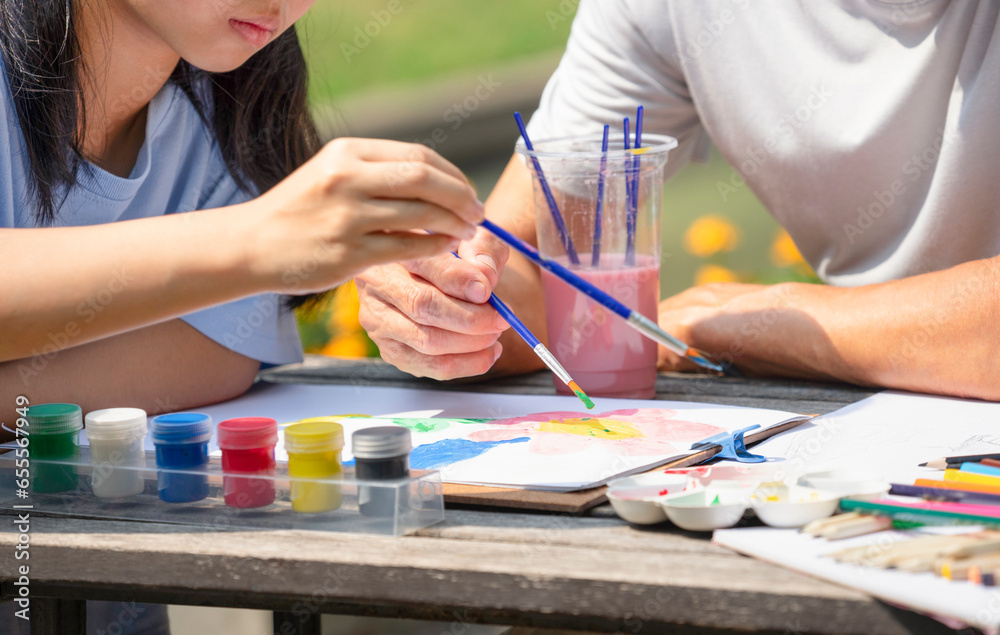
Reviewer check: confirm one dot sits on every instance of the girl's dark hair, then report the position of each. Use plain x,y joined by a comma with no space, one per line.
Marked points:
257,112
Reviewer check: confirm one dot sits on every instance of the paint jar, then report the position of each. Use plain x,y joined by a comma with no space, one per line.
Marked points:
181,441
54,435
380,454
314,453
116,451
247,446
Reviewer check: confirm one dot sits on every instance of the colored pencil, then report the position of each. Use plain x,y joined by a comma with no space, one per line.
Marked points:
944,494
947,461
856,527
550,200
980,468
959,569
543,353
949,485
958,476
923,512
634,319
595,257
991,462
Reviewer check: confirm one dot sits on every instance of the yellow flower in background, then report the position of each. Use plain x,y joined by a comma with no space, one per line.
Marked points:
347,345
707,274
784,253
344,309
711,234
346,337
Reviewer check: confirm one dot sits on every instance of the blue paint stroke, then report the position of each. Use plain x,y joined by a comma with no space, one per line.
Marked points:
433,456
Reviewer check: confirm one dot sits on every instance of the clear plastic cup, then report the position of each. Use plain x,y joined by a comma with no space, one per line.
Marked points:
609,235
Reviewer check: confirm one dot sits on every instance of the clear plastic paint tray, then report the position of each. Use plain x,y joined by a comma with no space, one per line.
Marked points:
343,504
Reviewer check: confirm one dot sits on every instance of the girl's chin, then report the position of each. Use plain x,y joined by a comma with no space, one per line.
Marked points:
221,61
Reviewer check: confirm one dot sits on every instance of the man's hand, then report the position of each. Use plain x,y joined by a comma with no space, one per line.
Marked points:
430,317
933,333
763,330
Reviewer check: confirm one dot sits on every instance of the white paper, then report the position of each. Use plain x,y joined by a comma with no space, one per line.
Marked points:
891,433
963,601
517,455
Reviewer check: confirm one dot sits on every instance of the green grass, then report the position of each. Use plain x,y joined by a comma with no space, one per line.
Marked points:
423,41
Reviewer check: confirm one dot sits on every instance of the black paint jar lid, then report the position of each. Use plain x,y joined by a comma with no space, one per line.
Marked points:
383,442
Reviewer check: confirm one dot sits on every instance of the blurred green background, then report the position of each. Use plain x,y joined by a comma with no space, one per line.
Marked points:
368,47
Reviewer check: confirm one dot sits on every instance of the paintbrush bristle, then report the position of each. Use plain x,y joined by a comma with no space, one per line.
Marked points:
582,395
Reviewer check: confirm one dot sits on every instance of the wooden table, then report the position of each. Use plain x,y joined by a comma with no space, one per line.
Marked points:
589,573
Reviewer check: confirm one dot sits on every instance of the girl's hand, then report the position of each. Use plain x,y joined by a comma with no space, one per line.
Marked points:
357,203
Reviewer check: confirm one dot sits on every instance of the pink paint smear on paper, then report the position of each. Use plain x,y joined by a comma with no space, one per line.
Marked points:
661,434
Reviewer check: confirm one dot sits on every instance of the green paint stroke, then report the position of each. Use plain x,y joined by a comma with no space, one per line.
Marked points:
433,425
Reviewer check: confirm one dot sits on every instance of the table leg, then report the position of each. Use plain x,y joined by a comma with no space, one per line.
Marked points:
53,616
286,623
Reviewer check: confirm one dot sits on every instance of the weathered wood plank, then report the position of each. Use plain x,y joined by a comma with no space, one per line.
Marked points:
542,581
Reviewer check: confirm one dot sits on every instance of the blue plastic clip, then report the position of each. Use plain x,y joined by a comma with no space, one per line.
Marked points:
733,446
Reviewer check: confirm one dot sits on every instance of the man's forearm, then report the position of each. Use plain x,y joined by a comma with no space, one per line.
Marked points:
935,333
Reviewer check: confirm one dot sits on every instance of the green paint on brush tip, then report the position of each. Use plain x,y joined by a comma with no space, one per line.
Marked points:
585,399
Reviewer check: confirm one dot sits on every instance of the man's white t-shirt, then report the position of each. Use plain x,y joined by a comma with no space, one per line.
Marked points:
870,129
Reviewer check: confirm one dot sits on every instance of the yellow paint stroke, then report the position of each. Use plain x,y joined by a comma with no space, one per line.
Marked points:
611,429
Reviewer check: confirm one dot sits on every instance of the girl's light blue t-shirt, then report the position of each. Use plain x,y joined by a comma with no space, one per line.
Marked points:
179,169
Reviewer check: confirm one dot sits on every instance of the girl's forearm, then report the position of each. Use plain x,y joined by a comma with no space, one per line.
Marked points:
67,286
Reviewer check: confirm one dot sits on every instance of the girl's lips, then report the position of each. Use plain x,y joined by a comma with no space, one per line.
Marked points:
254,33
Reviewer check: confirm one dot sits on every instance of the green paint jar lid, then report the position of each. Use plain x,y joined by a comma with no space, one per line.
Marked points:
54,418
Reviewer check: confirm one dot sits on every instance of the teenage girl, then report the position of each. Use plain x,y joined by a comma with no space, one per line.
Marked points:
162,188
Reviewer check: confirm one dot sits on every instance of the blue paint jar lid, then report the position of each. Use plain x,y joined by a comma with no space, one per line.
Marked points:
181,427
54,418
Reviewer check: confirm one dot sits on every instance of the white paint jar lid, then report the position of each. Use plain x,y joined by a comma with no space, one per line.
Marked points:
116,424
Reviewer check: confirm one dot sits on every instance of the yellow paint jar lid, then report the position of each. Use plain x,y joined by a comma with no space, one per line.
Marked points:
321,434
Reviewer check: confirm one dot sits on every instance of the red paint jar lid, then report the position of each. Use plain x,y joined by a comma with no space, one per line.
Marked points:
247,433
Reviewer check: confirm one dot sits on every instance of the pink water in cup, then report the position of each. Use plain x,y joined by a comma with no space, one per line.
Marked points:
598,348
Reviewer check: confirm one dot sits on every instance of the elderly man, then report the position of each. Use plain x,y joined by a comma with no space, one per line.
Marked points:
868,129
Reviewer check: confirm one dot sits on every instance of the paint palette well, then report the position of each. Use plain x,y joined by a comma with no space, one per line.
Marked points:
636,498
785,506
717,506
